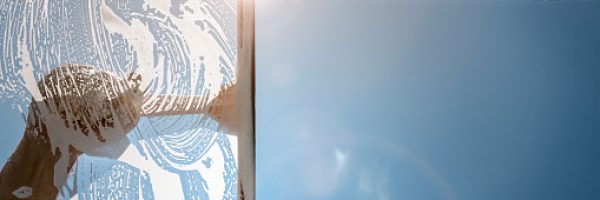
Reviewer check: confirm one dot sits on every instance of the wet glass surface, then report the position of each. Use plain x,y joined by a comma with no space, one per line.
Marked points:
119,99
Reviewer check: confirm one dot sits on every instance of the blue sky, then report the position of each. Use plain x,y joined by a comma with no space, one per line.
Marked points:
422,100
428,100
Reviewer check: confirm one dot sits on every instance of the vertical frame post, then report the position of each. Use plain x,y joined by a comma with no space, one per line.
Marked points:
245,82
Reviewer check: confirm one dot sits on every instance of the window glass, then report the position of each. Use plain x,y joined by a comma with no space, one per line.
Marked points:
118,99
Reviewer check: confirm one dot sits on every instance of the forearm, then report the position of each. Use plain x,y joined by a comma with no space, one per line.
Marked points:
32,166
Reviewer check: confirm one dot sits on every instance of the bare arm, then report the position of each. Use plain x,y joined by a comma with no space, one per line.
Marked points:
29,173
31,170
33,163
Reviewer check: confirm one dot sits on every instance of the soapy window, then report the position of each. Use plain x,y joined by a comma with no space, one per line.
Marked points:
113,99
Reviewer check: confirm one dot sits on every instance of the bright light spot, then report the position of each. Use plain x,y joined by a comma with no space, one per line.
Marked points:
340,160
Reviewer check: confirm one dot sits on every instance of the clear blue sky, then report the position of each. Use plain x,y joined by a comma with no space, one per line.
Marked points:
428,100
422,100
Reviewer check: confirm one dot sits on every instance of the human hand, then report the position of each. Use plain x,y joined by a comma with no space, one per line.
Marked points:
84,108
